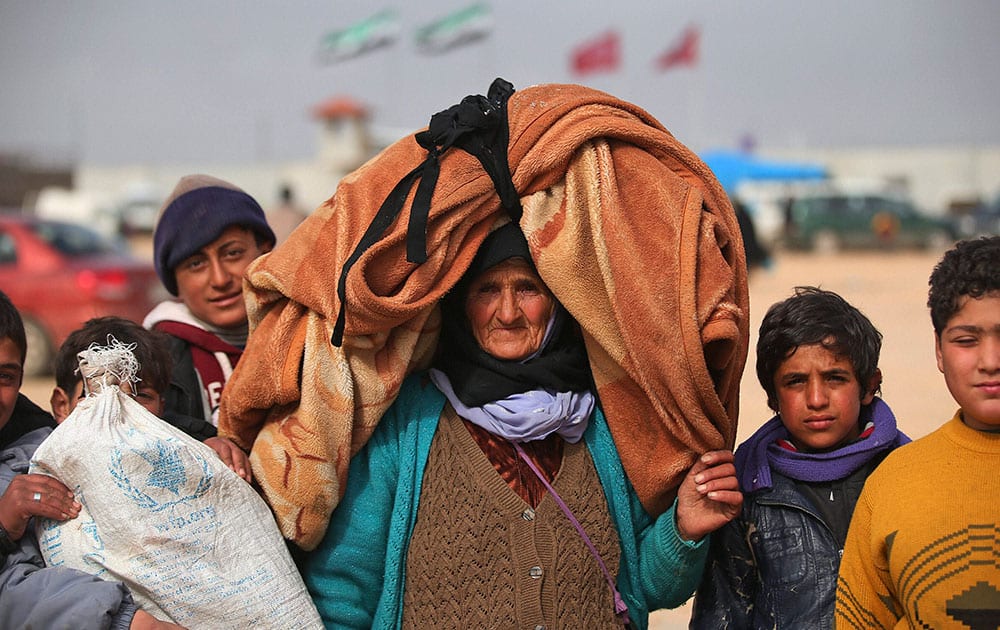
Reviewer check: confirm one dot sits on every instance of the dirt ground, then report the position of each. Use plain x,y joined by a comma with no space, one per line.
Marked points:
890,287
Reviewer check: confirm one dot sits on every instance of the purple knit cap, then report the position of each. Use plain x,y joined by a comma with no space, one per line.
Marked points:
196,213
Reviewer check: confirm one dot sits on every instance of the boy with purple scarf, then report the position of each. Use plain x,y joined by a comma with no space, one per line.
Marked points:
802,472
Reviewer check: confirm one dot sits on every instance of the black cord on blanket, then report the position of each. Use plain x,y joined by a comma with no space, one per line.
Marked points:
478,125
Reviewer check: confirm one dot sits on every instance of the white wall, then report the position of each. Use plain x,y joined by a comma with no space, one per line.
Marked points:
934,176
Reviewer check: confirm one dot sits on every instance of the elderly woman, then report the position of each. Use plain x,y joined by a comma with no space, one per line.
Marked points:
491,494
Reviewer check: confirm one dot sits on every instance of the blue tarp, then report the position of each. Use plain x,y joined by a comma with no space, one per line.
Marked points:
734,167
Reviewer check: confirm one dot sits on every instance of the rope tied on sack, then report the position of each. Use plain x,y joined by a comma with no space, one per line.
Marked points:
104,366
477,125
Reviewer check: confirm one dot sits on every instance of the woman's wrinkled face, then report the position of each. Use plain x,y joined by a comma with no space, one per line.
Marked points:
509,308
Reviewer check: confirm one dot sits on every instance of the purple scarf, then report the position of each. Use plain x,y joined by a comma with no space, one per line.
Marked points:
756,457
530,415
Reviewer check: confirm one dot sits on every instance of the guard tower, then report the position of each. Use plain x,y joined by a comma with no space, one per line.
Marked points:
345,140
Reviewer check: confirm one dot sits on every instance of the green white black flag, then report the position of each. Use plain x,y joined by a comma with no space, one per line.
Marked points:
382,29
456,29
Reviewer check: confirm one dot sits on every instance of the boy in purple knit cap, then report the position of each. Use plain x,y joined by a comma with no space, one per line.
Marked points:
801,473
207,234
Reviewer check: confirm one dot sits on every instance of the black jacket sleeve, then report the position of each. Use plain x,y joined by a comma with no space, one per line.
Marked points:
182,403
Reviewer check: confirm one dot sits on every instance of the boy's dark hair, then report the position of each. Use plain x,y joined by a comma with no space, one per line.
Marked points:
971,268
151,351
813,316
12,326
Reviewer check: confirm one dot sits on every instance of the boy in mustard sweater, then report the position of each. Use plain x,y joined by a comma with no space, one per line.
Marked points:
923,550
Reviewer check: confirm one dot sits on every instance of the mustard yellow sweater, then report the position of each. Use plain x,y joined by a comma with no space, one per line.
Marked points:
923,550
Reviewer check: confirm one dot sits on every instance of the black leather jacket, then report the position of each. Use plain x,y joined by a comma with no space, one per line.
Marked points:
776,565
183,405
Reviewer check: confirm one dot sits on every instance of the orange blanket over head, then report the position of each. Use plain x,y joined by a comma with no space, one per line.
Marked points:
629,229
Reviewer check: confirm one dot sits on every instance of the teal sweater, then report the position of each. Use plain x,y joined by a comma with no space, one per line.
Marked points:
357,574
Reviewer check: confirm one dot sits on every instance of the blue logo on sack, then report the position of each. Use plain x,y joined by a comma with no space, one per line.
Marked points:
168,469
143,471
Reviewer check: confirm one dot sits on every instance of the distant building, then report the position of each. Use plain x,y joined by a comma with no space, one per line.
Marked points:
22,180
345,140
936,178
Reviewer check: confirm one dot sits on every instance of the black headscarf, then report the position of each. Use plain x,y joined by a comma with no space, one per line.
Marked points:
478,377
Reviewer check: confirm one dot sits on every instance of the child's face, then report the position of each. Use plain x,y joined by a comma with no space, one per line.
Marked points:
819,398
11,373
64,403
210,282
968,354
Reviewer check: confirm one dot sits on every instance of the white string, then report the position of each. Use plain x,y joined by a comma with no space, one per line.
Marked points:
104,366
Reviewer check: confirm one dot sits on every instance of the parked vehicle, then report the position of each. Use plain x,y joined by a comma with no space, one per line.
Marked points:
982,220
137,216
61,274
830,222
130,212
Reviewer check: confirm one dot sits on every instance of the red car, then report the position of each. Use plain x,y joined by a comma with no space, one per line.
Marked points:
59,275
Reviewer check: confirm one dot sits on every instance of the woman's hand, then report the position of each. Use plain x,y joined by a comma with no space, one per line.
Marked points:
35,495
709,497
142,620
232,456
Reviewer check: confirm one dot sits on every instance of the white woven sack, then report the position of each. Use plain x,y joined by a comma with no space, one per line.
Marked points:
161,512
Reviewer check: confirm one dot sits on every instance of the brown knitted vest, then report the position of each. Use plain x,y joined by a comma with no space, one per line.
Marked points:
480,557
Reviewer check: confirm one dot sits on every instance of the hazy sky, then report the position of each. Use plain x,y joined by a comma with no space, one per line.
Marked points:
112,82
